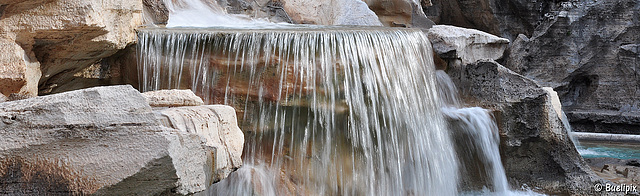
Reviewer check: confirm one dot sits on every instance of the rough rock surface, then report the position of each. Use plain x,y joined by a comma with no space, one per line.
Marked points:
505,18
331,12
55,39
3,98
400,13
534,145
172,98
102,140
587,51
619,171
218,127
468,45
117,69
19,71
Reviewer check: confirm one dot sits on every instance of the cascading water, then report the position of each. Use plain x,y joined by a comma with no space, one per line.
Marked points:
332,111
199,13
476,137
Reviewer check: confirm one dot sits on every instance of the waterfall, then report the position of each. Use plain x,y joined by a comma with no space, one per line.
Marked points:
326,111
197,13
476,138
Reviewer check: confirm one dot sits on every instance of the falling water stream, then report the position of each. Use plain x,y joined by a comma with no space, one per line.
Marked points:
330,110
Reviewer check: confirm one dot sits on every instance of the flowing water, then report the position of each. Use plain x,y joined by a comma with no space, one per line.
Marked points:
327,110
332,111
200,13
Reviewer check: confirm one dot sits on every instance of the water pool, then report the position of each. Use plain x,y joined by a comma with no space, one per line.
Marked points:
594,149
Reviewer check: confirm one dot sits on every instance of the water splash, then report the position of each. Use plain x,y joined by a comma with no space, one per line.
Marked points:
196,13
479,137
328,111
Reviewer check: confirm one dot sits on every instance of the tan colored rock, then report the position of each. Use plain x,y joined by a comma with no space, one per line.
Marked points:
2,98
331,12
172,98
400,13
106,141
19,70
468,45
218,128
64,37
555,101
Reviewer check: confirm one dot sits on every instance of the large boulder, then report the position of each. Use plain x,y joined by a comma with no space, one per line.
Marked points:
534,144
56,39
218,127
331,12
107,141
467,45
588,53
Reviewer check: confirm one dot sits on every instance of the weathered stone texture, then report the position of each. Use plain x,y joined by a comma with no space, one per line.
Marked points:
59,38
107,141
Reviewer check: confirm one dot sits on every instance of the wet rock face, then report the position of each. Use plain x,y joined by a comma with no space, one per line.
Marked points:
56,39
107,140
534,145
587,52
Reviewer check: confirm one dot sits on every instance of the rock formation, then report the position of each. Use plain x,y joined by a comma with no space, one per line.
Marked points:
534,144
218,127
107,141
47,42
586,52
400,13
498,17
467,45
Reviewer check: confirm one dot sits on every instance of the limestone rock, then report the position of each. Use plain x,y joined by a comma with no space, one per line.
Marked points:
2,98
102,140
172,98
331,12
535,147
155,12
218,128
400,13
555,101
64,37
587,52
469,45
19,69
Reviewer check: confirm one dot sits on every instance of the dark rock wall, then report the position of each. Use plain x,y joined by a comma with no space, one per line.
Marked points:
534,145
588,54
586,50
505,18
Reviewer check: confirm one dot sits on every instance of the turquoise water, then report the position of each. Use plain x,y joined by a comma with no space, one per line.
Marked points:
592,149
